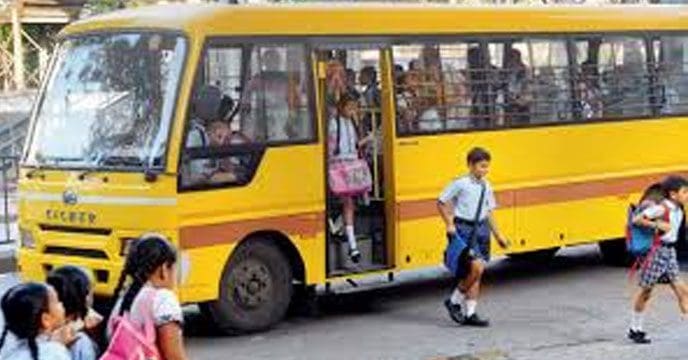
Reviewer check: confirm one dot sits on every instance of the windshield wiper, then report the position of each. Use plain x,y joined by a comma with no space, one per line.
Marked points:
37,171
128,161
57,160
149,174
82,175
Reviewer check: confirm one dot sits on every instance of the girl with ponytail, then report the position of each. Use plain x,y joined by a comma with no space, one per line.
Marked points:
146,284
33,314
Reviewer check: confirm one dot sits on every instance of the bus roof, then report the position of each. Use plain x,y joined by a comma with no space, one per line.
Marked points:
343,19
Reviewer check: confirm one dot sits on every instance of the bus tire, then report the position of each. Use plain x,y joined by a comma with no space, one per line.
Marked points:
543,256
614,252
255,289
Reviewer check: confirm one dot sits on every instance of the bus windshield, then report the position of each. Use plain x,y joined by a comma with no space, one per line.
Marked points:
108,102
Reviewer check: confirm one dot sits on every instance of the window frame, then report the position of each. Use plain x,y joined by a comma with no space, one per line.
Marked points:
40,97
246,45
645,38
651,38
570,39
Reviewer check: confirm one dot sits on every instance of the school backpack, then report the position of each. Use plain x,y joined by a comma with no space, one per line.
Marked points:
128,342
641,240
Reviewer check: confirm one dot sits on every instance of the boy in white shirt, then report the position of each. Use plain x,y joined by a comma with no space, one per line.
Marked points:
460,208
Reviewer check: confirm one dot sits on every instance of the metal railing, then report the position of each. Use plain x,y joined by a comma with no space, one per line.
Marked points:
9,168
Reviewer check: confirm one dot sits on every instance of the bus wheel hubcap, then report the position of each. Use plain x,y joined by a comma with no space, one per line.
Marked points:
252,284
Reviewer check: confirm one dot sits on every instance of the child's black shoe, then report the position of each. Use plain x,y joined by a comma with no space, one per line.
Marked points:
455,311
638,337
476,321
355,255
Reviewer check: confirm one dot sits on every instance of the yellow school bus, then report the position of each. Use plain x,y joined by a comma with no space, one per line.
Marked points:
210,125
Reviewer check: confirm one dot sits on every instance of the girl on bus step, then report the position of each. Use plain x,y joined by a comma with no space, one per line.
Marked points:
349,174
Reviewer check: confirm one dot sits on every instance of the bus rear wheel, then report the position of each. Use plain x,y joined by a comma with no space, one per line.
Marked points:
255,289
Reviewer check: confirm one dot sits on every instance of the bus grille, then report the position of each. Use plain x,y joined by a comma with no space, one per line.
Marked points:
76,230
65,251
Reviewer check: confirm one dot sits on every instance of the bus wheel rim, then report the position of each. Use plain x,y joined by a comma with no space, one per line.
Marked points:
252,284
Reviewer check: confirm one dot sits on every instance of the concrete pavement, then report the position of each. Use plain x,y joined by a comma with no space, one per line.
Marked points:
576,309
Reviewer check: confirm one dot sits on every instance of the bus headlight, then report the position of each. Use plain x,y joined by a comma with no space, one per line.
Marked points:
27,240
125,244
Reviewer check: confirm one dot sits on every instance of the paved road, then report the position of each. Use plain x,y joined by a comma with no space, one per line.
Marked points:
576,309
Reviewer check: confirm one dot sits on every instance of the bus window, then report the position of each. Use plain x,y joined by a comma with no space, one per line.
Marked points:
432,89
512,87
492,84
456,98
623,74
276,95
246,98
671,67
544,94
589,103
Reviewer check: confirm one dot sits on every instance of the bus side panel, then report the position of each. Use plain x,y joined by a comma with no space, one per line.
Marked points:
204,266
420,179
423,241
555,186
578,190
570,223
286,197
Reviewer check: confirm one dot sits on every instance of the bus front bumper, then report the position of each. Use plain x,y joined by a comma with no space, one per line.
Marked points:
35,266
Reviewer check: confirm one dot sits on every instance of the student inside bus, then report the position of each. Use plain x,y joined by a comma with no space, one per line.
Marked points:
518,96
226,170
407,100
483,83
265,98
344,146
205,107
429,91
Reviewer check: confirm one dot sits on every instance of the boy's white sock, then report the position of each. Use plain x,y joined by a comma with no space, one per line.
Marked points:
351,237
637,321
471,305
456,297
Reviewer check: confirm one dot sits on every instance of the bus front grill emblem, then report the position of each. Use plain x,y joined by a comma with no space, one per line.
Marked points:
69,197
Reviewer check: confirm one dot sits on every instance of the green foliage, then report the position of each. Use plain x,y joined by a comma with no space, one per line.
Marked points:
102,6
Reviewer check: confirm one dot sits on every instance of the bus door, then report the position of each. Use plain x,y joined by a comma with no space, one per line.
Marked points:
350,89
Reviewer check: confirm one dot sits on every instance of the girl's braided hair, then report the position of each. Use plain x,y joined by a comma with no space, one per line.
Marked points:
145,256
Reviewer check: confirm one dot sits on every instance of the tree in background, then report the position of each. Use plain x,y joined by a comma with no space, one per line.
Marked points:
94,7
37,38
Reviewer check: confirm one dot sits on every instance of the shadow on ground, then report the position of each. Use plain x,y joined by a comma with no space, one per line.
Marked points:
375,301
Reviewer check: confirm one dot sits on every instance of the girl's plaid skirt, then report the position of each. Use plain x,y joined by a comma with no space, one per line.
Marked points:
661,268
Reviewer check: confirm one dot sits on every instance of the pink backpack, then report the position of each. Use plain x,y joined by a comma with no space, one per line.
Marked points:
128,342
350,177
347,177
